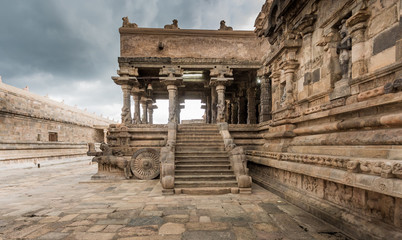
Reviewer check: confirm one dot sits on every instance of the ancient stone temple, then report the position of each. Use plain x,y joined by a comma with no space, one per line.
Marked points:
309,105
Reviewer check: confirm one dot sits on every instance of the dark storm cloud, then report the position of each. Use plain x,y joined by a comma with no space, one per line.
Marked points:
69,49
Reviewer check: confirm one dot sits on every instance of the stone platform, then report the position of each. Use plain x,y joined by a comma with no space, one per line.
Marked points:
58,201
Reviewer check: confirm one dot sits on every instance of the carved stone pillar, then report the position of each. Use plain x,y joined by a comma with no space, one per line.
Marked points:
234,113
126,109
357,25
208,110
105,135
172,78
265,99
220,89
151,113
276,90
144,119
251,110
220,79
213,104
172,89
136,99
127,79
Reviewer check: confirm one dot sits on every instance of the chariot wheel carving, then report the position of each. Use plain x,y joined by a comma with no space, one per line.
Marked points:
145,163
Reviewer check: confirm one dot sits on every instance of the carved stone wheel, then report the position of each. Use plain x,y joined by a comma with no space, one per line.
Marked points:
145,164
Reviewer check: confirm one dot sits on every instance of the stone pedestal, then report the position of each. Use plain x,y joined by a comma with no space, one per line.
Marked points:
341,89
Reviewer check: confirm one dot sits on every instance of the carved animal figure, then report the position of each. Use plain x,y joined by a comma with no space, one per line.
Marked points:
223,27
175,25
126,23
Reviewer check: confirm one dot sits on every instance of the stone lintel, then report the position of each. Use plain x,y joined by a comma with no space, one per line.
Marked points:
186,32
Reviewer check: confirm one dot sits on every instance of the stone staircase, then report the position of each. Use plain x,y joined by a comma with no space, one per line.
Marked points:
202,164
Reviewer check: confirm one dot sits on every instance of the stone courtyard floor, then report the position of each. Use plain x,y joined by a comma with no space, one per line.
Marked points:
58,201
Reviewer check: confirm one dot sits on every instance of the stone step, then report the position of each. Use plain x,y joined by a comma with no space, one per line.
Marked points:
204,172
201,153
189,178
199,149
192,162
203,166
200,143
201,160
199,139
201,156
197,184
201,133
206,190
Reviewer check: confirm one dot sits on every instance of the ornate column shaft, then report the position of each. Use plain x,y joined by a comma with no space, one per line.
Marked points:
144,119
105,135
213,105
234,114
251,110
208,110
172,89
265,99
220,89
137,113
150,115
126,109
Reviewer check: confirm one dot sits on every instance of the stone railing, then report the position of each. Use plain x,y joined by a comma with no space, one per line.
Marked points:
167,160
237,159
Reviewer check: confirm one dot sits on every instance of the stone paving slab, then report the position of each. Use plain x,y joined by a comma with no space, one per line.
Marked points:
59,201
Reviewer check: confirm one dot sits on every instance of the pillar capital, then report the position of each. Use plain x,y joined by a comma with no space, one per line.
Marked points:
305,25
221,71
171,75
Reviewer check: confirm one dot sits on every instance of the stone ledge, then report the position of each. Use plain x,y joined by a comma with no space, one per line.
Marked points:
392,187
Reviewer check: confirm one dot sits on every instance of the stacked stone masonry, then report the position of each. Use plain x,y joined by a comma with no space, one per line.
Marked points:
27,121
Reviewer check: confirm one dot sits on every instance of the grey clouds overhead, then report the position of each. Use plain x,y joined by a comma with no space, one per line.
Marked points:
69,49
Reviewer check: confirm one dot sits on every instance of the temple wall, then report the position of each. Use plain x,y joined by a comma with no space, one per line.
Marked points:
27,120
334,144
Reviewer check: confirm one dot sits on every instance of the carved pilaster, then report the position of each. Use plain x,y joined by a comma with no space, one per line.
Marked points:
357,25
251,108
265,99
126,109
289,68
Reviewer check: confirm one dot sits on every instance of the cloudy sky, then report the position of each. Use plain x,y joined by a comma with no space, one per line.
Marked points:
68,49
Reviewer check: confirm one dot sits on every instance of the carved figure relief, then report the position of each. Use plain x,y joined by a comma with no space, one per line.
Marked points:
125,115
343,50
112,159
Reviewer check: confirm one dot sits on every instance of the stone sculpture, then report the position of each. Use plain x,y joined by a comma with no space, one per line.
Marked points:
126,23
223,27
343,49
110,159
174,25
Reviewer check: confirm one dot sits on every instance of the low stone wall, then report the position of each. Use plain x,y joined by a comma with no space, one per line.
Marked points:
248,136
16,152
34,128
